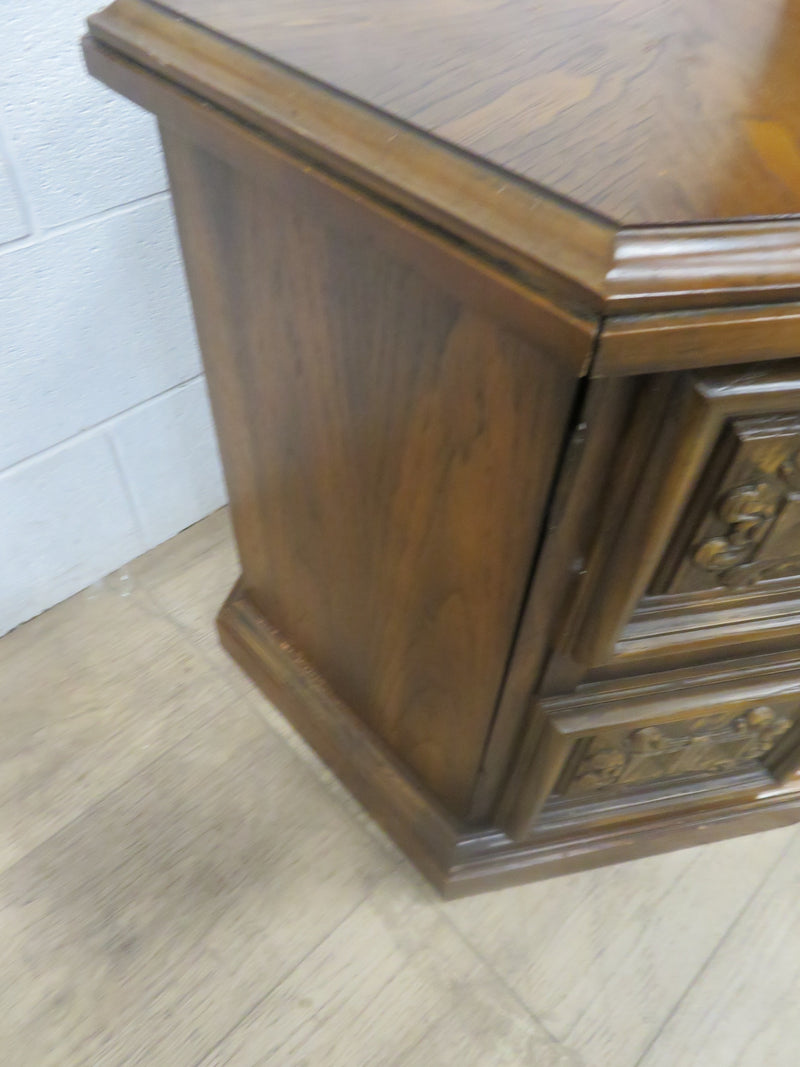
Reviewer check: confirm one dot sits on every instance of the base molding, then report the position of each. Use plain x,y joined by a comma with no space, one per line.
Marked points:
398,803
459,860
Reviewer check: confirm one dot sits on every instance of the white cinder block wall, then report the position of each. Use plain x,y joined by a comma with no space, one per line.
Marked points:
106,443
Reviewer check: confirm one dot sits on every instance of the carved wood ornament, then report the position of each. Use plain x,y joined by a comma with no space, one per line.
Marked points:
736,557
711,744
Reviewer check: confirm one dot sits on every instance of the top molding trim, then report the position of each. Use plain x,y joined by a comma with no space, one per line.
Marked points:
579,259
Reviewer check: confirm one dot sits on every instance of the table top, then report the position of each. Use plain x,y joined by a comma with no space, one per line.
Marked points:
643,111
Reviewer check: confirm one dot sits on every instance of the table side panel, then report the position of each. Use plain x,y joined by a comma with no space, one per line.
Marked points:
389,453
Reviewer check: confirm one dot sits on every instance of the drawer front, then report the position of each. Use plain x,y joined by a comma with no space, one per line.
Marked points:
698,552
720,741
671,735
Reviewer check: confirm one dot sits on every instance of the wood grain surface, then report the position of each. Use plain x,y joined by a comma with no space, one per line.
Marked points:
389,454
645,111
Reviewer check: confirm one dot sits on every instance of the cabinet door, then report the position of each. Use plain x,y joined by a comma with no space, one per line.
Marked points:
697,552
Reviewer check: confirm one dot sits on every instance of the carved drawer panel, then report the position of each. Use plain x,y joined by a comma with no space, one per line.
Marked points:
676,730
712,744
697,554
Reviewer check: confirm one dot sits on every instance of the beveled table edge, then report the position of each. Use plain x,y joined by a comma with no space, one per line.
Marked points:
579,258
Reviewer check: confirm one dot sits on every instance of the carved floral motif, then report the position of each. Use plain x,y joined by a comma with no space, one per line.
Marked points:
749,512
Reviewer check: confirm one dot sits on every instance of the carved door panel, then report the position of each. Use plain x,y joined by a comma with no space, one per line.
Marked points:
698,553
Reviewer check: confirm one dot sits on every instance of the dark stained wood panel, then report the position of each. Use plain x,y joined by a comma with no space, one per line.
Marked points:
389,454
646,111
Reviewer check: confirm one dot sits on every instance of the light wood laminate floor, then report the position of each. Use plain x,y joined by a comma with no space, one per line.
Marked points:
182,883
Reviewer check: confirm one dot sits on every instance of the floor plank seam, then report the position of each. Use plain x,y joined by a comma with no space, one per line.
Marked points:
690,864
284,978
185,632
711,956
99,800
578,1060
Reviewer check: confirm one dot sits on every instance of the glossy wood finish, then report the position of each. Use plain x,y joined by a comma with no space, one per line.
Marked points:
517,563
680,267
643,111
472,270
566,251
650,343
365,416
